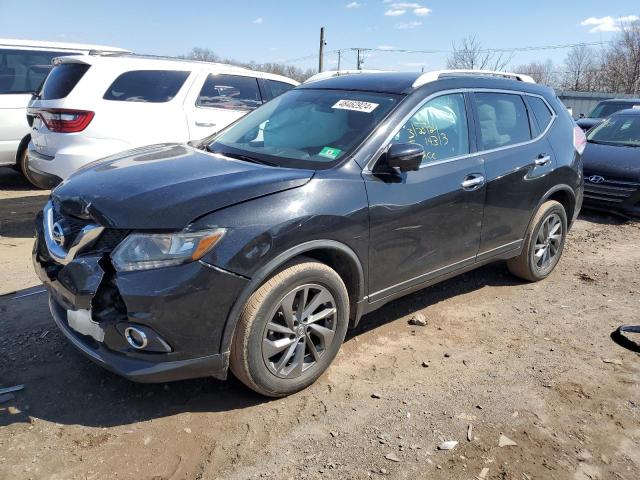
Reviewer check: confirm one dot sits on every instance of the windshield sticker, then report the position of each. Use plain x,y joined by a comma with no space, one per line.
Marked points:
331,153
356,106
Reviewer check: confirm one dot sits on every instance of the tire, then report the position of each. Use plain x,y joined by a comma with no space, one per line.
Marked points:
264,327
530,266
23,161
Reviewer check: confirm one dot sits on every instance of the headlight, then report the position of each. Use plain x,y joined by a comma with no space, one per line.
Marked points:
143,251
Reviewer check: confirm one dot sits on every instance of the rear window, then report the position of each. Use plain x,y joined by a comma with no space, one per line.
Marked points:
62,79
232,92
503,120
152,86
541,112
23,71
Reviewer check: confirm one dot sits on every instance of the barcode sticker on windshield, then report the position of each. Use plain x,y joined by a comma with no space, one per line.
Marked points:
356,106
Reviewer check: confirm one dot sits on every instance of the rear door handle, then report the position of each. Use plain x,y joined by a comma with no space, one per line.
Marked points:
543,159
205,124
472,181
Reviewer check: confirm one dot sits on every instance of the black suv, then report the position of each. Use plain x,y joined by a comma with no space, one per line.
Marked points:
259,248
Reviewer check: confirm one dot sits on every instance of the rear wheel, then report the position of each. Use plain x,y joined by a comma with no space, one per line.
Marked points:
543,243
291,329
23,161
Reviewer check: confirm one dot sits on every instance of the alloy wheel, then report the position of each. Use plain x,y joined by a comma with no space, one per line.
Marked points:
548,241
300,330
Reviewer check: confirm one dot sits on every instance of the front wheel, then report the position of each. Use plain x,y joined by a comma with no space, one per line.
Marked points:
290,329
543,243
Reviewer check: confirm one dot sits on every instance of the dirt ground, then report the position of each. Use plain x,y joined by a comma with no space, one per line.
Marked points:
532,362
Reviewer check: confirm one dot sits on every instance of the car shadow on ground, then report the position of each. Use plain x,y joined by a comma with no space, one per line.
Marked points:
11,179
601,217
18,211
62,386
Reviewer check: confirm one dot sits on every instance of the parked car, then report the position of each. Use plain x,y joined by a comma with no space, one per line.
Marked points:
612,165
604,109
91,107
24,64
259,249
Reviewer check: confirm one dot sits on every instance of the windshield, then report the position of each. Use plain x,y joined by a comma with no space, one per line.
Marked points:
306,128
23,71
623,130
604,109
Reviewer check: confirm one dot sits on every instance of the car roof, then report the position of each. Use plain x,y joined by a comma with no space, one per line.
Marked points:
403,83
622,100
38,44
132,61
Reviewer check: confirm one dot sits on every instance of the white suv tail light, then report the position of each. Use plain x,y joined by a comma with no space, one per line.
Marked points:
579,139
63,120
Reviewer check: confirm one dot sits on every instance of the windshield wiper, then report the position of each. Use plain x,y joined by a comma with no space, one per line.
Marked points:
246,158
614,144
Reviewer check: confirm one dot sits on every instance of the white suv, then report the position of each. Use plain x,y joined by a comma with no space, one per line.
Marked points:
24,64
94,106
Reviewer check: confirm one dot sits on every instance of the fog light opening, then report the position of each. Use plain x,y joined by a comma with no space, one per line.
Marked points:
136,338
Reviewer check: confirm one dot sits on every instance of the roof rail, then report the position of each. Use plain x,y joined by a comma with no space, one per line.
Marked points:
102,53
437,74
338,73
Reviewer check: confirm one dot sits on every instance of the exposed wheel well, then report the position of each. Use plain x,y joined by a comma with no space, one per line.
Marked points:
345,266
24,143
566,200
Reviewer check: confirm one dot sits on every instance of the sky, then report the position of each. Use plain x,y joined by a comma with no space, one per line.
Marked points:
288,31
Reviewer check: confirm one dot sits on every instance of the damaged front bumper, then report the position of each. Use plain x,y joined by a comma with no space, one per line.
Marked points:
182,310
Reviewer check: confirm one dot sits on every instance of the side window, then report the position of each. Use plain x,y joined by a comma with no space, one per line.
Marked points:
440,126
278,88
503,120
541,111
232,92
23,71
152,86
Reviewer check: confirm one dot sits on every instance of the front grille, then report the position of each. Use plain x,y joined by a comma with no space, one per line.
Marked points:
106,243
73,224
611,190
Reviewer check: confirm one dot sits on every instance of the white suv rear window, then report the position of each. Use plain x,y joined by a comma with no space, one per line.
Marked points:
62,79
152,86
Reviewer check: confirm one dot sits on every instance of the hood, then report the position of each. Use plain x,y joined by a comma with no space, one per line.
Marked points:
588,123
616,162
167,186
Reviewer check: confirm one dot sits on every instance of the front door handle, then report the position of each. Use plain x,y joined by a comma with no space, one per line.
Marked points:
473,181
543,159
205,124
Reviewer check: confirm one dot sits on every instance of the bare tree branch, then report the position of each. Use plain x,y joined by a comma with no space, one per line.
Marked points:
470,55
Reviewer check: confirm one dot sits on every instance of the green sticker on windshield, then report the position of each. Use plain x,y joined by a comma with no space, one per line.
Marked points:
331,153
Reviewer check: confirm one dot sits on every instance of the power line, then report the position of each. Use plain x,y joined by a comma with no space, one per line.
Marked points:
484,50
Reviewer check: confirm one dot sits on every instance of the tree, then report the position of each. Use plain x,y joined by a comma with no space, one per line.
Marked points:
203,55
579,66
207,55
623,60
541,72
469,55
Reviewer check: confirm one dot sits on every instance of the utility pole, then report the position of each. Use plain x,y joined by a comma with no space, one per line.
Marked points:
321,56
358,62
339,55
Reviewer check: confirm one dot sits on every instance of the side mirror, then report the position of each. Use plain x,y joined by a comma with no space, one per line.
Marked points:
405,156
